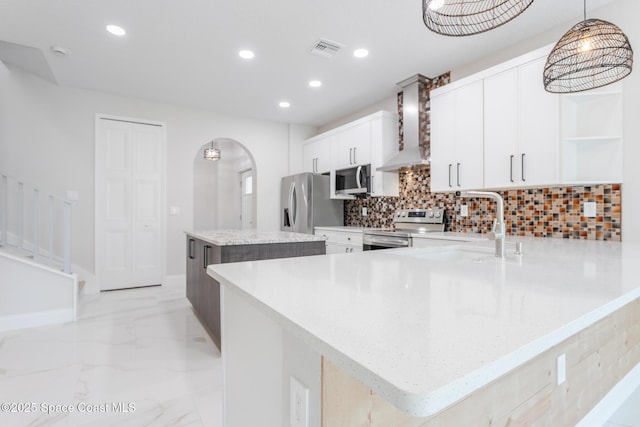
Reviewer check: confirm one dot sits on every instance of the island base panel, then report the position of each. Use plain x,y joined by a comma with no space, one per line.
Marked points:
596,359
204,292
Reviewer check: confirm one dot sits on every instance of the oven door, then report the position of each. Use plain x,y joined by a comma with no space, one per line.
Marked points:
372,242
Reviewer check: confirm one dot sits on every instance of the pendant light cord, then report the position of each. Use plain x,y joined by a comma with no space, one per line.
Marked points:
585,10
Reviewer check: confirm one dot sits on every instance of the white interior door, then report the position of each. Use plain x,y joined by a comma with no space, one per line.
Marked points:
128,196
246,184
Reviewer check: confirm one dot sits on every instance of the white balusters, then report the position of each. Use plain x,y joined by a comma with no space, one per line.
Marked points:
25,231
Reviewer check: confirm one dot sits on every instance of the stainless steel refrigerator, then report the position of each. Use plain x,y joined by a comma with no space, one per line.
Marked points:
305,203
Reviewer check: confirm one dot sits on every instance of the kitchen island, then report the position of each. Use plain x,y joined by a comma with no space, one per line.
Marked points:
421,336
226,246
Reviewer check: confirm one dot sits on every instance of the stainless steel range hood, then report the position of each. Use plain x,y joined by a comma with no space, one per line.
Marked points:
411,154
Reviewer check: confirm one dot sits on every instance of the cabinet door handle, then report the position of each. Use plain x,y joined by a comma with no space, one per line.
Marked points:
450,166
192,244
458,174
350,156
354,156
206,256
511,168
522,166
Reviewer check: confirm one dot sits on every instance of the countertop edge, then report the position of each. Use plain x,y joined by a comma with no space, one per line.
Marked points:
302,238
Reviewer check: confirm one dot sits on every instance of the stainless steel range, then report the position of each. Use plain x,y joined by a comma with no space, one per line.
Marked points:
407,222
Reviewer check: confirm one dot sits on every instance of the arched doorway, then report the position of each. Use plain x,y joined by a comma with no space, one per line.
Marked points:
224,190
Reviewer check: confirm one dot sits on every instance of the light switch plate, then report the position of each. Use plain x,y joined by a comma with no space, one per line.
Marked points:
464,210
589,209
174,210
364,211
299,405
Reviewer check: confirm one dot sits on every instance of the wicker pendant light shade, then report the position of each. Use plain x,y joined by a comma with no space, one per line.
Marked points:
593,53
467,17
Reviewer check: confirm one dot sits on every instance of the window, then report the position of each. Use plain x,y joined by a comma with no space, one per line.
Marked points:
248,184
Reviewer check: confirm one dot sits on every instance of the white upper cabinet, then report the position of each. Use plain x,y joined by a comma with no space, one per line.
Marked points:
539,119
457,138
370,140
520,129
317,155
500,129
352,146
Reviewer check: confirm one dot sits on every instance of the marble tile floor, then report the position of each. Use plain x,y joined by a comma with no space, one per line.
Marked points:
142,347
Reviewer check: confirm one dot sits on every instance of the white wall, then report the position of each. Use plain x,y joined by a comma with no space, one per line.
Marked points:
389,104
297,135
47,137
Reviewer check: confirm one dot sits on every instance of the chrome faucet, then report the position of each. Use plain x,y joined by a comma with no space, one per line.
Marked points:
498,232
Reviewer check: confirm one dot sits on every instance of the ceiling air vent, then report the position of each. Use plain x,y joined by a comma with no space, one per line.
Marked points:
325,48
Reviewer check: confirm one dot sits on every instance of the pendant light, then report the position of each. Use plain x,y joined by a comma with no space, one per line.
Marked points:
593,53
467,17
211,153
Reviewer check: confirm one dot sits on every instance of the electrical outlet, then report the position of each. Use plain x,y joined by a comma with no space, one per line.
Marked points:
364,211
589,209
299,404
562,369
464,210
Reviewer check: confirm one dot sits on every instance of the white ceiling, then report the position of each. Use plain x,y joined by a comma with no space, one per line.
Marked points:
185,51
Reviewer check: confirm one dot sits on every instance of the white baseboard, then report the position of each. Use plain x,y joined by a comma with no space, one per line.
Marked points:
175,280
32,320
604,410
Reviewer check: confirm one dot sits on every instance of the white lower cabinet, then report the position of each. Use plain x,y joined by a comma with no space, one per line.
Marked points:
341,241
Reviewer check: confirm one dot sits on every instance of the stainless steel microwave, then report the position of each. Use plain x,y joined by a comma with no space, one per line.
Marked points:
355,180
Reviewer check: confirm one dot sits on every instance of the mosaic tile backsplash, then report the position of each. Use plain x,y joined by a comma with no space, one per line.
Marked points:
539,212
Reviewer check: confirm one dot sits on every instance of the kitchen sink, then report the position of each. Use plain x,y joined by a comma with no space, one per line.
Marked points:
452,253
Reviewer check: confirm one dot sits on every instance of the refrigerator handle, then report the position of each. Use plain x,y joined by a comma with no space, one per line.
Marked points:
292,212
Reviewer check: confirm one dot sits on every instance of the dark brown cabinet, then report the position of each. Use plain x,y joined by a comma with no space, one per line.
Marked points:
204,292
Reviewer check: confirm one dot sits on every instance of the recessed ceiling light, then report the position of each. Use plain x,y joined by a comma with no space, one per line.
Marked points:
360,53
284,104
315,83
116,30
246,54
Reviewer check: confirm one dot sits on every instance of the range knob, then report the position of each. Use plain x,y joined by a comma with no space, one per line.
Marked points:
430,214
438,214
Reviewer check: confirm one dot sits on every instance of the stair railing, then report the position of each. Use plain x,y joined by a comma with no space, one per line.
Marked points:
44,234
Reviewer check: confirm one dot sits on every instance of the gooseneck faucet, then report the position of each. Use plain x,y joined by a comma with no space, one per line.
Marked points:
498,233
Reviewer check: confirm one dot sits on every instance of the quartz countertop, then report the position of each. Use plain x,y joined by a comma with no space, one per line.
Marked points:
424,328
251,237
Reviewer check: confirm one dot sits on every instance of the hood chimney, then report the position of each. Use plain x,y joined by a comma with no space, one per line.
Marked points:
412,129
